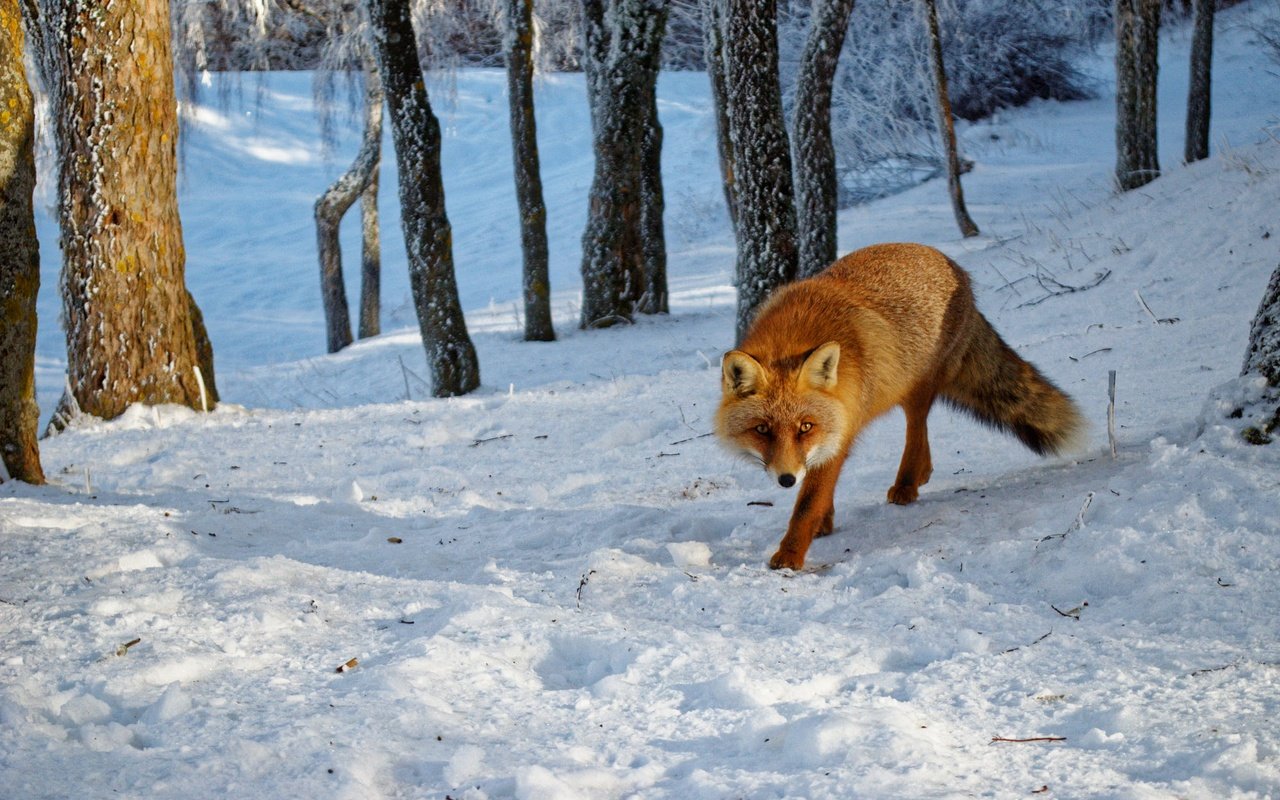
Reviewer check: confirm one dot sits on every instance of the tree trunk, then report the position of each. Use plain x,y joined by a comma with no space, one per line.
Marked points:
1197,144
19,259
618,36
1137,43
812,150
333,205
371,254
946,122
1263,354
427,233
126,309
652,298
766,228
536,280
713,54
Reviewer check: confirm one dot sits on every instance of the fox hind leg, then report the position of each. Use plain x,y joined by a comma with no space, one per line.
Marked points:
917,463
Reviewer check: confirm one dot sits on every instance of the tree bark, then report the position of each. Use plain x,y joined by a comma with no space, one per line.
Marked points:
812,150
766,227
427,233
1137,42
19,259
126,309
371,255
1263,353
713,54
536,280
618,37
652,298
330,208
946,122
1198,95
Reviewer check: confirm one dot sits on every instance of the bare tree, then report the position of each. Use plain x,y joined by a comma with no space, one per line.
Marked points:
536,281
19,259
131,332
331,206
766,217
946,121
621,39
713,48
1137,25
1198,95
814,154
427,233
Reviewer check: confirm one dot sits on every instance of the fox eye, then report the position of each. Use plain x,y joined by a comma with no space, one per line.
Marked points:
762,429
805,427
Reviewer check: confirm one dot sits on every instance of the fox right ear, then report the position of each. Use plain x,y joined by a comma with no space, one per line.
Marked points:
743,375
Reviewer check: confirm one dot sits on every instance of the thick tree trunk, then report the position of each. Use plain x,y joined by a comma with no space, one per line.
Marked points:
812,150
618,36
427,233
1137,42
1197,144
713,54
19,259
536,278
126,309
333,205
766,227
946,122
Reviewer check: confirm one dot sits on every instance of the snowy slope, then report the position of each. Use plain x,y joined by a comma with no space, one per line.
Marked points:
555,587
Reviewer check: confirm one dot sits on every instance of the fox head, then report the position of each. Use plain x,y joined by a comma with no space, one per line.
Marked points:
785,414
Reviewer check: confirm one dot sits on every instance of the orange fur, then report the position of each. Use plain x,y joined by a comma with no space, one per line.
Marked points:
889,325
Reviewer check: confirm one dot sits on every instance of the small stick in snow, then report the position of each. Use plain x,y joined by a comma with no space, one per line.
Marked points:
348,666
692,438
995,739
1019,647
404,373
1091,353
124,648
1158,320
582,584
765,503
479,442
1111,410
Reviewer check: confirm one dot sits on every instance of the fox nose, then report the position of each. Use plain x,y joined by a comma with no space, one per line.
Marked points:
786,480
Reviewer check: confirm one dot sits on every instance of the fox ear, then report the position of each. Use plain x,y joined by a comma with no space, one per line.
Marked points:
819,370
743,375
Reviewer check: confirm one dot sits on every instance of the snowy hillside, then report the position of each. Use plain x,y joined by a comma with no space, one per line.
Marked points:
556,587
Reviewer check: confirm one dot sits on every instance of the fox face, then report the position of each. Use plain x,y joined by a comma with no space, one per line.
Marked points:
786,416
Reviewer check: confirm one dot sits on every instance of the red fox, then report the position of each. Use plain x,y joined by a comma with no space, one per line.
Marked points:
888,325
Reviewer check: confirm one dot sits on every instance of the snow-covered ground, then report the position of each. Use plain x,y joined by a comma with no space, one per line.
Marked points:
555,587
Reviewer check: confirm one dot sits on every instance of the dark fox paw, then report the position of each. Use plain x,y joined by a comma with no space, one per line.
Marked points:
902,494
786,560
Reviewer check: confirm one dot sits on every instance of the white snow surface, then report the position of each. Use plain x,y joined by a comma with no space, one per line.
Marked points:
555,587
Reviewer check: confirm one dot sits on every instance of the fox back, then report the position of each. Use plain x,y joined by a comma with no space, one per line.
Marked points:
889,325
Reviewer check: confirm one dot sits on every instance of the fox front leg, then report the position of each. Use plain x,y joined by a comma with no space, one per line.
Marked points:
813,515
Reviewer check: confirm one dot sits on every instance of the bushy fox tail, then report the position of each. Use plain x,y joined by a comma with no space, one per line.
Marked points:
998,387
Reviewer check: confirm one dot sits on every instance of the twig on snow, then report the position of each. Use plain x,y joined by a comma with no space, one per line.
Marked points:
1056,288
582,584
1147,308
995,739
1019,647
479,442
